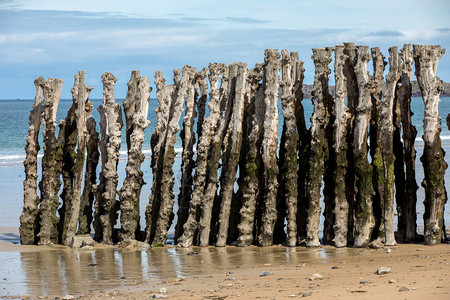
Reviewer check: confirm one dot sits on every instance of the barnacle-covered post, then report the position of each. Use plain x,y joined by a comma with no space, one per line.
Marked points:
375,135
111,123
163,217
406,208
50,182
271,85
363,170
289,176
80,93
28,218
251,185
340,148
135,108
201,211
230,159
166,95
319,143
387,142
426,59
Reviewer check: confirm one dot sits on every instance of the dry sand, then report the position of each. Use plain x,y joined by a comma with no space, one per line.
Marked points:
418,272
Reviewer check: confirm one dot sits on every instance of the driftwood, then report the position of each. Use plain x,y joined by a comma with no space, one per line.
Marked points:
319,144
111,123
426,59
135,108
28,218
387,142
271,69
363,170
49,186
340,147
406,208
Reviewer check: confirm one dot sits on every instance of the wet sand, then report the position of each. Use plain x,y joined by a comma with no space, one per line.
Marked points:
47,272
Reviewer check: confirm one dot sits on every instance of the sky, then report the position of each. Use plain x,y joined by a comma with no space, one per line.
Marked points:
56,38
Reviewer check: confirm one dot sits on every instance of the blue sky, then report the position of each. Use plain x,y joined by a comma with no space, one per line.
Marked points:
55,38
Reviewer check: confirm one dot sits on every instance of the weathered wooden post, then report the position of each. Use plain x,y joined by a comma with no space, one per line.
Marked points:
28,219
289,176
319,144
106,206
271,69
90,175
165,94
363,170
135,108
426,59
162,217
230,158
352,101
303,147
340,147
375,136
251,184
407,226
201,83
80,92
387,142
50,183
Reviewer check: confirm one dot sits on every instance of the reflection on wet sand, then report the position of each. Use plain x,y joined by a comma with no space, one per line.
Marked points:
61,271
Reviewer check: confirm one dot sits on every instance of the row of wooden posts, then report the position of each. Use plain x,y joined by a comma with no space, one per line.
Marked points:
277,199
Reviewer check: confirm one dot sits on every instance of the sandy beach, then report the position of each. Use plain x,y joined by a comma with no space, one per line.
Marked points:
47,272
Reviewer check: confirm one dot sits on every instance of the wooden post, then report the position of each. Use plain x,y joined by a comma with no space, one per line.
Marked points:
135,107
363,170
387,142
271,76
340,147
110,129
50,183
319,144
426,59
28,218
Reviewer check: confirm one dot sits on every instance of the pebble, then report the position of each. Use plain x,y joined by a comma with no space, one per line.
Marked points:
316,276
363,282
307,294
334,268
159,296
68,297
391,280
265,273
292,296
163,290
383,270
388,250
403,289
192,253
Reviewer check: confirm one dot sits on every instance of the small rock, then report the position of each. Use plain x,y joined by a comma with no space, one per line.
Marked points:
316,276
265,273
163,290
307,294
383,270
192,253
403,289
334,268
68,297
80,241
377,244
388,250
292,296
391,280
298,266
363,282
159,296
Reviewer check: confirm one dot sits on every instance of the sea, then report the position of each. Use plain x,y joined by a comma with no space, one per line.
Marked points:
14,127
